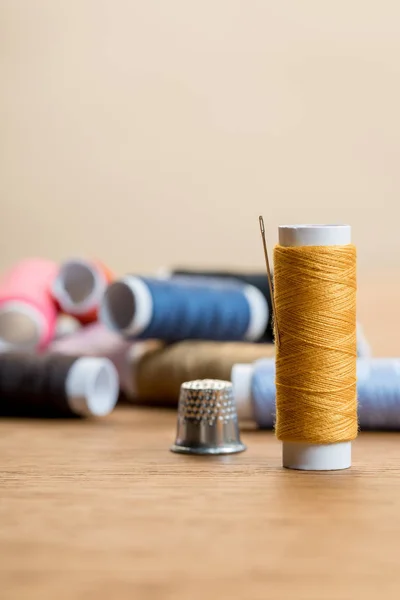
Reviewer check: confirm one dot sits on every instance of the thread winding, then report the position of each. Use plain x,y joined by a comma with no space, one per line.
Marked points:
315,296
32,385
56,386
258,280
147,308
159,374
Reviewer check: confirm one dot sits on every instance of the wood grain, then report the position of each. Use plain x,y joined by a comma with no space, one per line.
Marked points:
103,510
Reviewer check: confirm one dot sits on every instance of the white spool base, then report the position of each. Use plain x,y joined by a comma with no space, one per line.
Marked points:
259,313
66,325
22,327
316,457
127,306
241,376
92,386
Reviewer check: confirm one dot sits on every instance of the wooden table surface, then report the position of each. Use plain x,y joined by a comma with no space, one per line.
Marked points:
103,509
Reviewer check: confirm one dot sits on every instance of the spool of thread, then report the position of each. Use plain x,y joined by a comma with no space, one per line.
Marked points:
79,288
148,308
158,375
378,392
257,280
315,301
56,386
97,340
27,311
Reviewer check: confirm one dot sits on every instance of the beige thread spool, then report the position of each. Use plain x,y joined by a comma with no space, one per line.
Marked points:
158,375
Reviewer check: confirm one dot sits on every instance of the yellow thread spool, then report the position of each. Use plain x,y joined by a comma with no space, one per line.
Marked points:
297,450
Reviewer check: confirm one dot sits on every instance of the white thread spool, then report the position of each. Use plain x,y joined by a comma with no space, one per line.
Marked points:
296,455
241,376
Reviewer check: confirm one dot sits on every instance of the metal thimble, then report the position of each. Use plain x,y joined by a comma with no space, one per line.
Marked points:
207,419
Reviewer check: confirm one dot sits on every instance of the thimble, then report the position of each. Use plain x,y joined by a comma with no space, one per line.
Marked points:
207,419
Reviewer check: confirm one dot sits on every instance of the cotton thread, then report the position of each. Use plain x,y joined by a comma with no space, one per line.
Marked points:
148,308
159,374
315,296
182,311
258,280
56,386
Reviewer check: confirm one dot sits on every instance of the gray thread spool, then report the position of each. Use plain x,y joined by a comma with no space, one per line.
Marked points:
207,419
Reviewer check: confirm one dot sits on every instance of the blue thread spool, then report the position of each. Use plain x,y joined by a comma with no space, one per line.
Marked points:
378,391
378,388
258,280
149,308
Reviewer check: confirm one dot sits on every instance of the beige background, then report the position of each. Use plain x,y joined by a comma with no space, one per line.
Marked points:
152,133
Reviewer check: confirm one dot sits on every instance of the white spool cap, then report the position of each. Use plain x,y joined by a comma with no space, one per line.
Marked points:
92,386
164,273
78,286
296,455
127,306
21,326
241,376
66,325
259,313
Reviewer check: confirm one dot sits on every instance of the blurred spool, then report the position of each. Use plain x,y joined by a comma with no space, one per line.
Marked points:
79,288
313,403
97,340
257,280
56,386
378,390
378,393
146,308
157,375
27,311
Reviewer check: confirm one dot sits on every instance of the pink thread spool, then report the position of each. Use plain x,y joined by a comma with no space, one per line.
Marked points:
96,340
27,311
